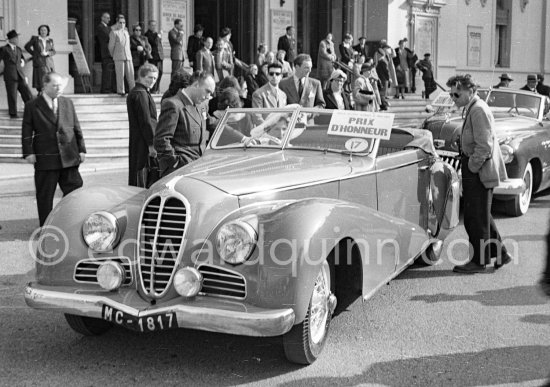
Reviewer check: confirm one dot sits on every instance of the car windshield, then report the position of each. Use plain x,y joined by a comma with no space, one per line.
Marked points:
507,102
312,129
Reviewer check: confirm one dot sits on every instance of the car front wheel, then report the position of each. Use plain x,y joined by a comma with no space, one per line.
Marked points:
519,205
87,326
305,341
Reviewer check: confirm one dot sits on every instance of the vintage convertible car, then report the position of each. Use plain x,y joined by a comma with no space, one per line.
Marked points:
522,125
287,211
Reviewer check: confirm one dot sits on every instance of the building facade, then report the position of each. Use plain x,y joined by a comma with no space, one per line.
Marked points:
480,37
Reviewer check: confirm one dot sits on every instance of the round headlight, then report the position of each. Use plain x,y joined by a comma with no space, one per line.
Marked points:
100,231
235,241
188,282
507,153
110,275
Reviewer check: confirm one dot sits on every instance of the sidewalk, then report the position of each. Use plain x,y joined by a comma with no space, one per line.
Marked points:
16,171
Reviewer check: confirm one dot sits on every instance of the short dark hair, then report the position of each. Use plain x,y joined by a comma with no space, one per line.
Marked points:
229,81
348,36
177,21
229,97
225,31
180,80
146,69
47,78
288,28
198,27
462,82
301,58
44,25
199,77
275,64
120,16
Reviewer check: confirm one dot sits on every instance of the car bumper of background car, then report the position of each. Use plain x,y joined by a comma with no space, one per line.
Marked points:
203,312
510,187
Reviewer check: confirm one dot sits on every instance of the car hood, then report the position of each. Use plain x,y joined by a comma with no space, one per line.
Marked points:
240,172
448,130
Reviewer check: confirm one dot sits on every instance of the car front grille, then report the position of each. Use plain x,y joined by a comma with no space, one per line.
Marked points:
452,158
86,271
161,238
222,282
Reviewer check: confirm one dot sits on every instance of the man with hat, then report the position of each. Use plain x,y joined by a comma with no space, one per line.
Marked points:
365,91
425,65
531,83
504,81
14,76
334,95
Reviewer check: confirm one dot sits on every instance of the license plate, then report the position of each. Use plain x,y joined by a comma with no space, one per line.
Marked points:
151,323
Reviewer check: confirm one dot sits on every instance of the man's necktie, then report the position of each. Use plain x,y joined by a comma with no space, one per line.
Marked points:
54,106
300,88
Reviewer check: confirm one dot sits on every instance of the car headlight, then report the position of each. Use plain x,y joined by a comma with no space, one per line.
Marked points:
507,153
110,275
235,241
100,231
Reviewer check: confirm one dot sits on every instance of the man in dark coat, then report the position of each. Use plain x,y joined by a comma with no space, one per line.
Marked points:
108,80
157,52
175,38
541,87
288,44
14,77
52,140
531,83
142,119
194,44
425,65
361,47
181,131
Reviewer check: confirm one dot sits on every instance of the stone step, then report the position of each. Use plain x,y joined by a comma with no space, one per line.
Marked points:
97,147
104,159
90,140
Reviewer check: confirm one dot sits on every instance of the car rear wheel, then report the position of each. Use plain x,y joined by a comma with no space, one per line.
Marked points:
519,205
305,341
87,326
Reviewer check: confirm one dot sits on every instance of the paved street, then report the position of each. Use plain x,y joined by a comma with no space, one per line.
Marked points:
428,327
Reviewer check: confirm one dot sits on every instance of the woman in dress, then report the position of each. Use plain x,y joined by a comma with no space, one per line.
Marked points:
325,57
42,50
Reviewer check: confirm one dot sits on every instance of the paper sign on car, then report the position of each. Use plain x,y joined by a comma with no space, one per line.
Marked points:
443,99
361,124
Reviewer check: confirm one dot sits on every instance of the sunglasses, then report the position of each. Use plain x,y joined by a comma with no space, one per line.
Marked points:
274,74
455,95
137,29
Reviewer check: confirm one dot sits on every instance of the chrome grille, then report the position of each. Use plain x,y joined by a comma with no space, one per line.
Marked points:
454,161
222,282
161,237
86,271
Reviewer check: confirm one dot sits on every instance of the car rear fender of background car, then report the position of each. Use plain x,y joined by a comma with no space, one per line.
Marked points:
296,238
444,200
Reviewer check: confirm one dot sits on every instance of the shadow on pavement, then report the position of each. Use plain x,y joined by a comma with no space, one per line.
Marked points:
516,296
17,229
543,319
513,365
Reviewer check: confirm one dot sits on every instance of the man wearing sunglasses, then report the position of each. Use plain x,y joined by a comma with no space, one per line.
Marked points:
482,170
269,95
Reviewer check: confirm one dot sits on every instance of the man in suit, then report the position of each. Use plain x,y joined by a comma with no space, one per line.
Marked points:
108,81
482,170
505,80
541,87
288,44
181,131
119,47
531,85
300,88
175,38
194,44
269,95
14,77
142,120
204,59
157,52
52,141
361,47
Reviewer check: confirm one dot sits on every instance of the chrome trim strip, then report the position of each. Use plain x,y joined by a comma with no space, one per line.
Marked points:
254,321
236,273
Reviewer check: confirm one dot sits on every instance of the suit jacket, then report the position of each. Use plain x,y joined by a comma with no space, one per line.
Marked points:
176,44
346,53
12,63
362,50
204,61
180,136
543,89
119,44
331,101
252,83
266,97
479,142
193,46
102,37
312,95
56,142
140,57
526,88
155,41
289,45
35,47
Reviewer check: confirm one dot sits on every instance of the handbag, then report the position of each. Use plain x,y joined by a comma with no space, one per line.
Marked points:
149,174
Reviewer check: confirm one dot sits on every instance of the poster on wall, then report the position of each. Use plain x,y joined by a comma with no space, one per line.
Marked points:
474,46
279,21
425,36
171,10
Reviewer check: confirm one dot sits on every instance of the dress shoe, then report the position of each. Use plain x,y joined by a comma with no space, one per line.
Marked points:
503,260
470,268
13,115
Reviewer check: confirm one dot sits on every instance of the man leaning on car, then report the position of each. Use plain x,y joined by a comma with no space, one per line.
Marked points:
180,136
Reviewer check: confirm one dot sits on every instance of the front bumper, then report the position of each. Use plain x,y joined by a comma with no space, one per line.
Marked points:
510,187
203,313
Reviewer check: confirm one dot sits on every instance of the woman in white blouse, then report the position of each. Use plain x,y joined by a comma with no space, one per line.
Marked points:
42,50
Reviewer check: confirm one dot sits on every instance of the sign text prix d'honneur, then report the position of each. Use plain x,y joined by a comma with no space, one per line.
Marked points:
361,124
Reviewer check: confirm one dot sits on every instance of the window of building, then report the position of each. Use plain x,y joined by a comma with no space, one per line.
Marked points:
503,33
